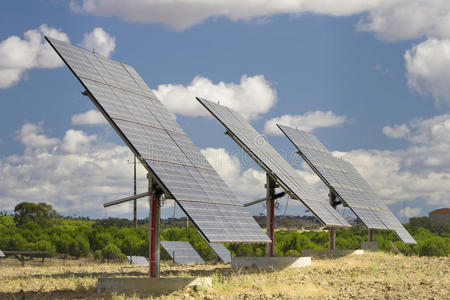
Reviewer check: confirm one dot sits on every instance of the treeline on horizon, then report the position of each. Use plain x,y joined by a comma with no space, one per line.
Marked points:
38,227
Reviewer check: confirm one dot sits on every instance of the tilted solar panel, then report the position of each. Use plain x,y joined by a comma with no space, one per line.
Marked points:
163,148
138,260
347,183
272,162
222,252
182,252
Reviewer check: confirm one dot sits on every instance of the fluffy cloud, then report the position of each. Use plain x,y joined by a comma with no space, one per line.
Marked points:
180,15
91,117
388,19
409,212
100,41
393,20
247,184
77,173
306,122
420,171
18,55
398,131
428,68
32,135
252,96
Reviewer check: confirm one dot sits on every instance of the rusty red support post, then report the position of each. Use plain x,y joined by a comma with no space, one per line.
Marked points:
332,199
332,238
154,230
370,235
270,208
270,224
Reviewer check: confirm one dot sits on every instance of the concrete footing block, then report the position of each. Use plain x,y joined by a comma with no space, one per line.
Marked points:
369,246
331,253
150,286
270,263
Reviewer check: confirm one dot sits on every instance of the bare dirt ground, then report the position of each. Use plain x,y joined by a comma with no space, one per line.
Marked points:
368,276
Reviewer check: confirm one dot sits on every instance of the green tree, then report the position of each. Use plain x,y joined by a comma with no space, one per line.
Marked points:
40,213
46,246
112,252
79,246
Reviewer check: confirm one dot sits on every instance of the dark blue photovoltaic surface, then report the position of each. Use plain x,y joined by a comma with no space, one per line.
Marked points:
182,252
347,183
272,162
138,260
162,146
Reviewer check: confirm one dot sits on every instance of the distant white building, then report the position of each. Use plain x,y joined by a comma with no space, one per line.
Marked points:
441,215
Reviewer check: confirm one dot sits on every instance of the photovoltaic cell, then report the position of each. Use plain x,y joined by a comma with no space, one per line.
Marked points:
222,252
161,145
349,186
272,162
182,252
138,260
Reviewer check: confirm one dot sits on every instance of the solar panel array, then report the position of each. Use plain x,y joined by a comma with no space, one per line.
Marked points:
138,260
164,149
272,162
222,252
182,252
347,183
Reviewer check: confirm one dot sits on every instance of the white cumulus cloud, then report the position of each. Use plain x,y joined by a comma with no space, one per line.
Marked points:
17,55
76,174
388,19
180,15
100,41
251,97
428,68
91,117
398,131
393,20
419,171
247,184
409,212
305,122
20,54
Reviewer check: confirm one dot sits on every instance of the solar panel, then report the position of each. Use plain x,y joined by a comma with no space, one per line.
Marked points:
182,252
2,254
222,252
161,145
272,162
138,260
351,188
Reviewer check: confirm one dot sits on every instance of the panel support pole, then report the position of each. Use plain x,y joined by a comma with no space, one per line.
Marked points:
332,238
332,198
154,228
270,206
370,235
135,191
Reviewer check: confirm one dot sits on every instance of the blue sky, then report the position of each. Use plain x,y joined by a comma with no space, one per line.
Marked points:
369,80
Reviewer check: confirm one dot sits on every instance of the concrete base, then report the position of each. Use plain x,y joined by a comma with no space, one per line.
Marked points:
151,286
331,253
369,246
270,263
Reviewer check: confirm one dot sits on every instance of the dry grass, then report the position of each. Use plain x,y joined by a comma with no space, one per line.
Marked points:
369,276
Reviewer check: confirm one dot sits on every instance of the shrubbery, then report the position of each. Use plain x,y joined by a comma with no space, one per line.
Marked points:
45,230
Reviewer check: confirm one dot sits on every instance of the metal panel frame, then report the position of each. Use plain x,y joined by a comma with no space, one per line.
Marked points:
171,246
257,235
218,248
374,207
260,162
